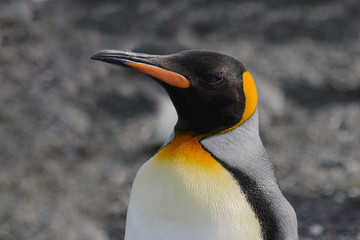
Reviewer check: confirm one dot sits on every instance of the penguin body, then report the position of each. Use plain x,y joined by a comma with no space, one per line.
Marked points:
198,192
212,179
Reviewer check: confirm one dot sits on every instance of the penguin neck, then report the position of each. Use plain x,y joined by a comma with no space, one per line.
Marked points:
235,138
241,142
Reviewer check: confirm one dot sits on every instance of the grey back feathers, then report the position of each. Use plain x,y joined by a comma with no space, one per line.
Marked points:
242,153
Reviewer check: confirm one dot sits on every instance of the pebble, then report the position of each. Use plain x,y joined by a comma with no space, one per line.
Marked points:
316,229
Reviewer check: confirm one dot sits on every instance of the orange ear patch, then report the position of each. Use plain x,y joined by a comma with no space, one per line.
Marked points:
169,77
251,98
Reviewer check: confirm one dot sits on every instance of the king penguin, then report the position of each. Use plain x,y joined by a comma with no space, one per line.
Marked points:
212,179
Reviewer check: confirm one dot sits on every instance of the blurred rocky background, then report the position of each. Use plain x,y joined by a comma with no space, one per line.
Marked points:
73,132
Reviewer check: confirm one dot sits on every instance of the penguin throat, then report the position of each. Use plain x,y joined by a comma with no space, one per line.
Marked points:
209,122
186,148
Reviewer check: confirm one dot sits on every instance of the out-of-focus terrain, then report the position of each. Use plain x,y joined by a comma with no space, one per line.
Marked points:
73,132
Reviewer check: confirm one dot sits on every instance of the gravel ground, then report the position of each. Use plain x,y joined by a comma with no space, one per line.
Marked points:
73,132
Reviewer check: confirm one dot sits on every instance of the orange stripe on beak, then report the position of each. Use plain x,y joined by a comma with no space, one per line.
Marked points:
169,77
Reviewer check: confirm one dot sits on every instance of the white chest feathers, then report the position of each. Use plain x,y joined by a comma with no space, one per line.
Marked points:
182,193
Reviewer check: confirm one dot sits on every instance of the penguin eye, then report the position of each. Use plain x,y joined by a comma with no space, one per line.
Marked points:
211,79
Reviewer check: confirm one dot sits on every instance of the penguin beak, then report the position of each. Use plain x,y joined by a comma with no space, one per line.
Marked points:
144,63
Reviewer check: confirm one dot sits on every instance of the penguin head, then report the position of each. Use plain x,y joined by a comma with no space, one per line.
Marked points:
211,92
